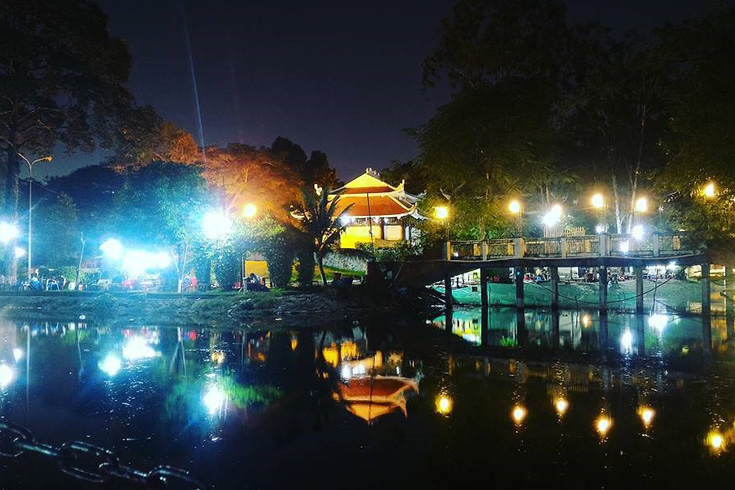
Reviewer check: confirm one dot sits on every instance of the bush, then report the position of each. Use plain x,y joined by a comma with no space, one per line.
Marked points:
226,268
305,268
280,261
400,252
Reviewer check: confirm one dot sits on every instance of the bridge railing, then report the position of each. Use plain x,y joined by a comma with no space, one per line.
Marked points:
602,245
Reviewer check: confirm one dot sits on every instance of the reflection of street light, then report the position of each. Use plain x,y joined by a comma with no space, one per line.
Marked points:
603,424
6,376
111,365
561,405
716,441
213,399
518,414
249,210
444,404
646,414
8,232
30,204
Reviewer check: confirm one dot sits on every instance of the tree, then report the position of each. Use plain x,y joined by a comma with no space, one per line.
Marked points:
314,170
62,81
55,231
247,175
320,222
161,203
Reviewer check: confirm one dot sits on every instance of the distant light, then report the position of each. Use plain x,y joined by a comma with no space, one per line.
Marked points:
135,262
561,405
672,265
514,207
603,425
17,354
600,229
625,247
444,404
638,232
249,210
441,212
586,320
646,414
8,232
346,372
658,321
112,248
19,252
709,190
345,220
7,375
598,201
518,414
553,217
626,341
111,365
641,205
213,399
216,225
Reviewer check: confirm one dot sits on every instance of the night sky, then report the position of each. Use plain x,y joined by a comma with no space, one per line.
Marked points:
341,77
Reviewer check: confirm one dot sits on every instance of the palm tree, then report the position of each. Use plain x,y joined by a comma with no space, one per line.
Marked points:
320,222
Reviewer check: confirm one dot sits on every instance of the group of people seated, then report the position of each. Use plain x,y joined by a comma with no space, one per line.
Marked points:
255,283
36,283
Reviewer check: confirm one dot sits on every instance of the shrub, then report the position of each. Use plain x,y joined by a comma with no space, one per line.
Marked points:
305,268
226,268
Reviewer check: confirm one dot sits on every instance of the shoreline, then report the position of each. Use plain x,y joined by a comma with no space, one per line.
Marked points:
287,307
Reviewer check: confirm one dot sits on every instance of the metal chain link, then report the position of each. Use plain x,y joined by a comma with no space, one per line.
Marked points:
90,463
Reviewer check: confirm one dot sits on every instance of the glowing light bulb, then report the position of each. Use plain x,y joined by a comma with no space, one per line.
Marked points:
17,354
249,210
586,321
514,207
7,375
709,190
716,441
641,205
111,365
441,212
598,201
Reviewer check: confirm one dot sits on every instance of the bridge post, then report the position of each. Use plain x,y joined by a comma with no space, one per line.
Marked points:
603,290
484,326
447,250
706,309
483,288
603,333
555,337
448,300
519,288
483,248
604,250
554,287
656,244
640,335
518,248
563,247
639,289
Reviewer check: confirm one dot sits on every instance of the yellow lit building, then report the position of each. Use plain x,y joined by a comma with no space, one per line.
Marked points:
377,212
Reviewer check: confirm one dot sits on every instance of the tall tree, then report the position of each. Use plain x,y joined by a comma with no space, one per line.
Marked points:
61,81
321,222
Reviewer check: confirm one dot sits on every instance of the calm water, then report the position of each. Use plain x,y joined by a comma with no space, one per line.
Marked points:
532,400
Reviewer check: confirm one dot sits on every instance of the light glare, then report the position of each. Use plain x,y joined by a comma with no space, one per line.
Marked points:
7,375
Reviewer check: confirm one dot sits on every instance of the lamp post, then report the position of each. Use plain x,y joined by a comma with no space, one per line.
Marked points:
442,213
598,202
516,208
30,205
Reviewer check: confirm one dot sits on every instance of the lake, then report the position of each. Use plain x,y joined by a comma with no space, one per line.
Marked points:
532,399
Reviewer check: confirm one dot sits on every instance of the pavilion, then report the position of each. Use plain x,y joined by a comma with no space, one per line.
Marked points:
377,212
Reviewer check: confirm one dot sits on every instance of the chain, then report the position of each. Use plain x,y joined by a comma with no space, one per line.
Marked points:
90,463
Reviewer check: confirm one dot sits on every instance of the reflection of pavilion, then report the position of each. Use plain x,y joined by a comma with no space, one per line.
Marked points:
372,397
371,384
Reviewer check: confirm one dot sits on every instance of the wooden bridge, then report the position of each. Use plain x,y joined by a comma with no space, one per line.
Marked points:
598,251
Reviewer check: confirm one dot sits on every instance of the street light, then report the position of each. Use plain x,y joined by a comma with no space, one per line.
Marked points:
8,232
516,208
249,210
441,212
552,218
598,201
641,205
709,191
216,225
30,204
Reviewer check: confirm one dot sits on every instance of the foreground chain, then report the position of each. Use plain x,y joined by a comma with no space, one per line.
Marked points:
90,463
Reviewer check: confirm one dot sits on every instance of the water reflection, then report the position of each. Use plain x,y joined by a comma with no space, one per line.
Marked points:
553,404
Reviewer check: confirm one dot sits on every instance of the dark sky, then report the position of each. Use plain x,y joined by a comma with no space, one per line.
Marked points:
343,77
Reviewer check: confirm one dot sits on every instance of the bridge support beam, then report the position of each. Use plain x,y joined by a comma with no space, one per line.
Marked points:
706,309
639,289
448,300
520,303
484,294
554,288
603,290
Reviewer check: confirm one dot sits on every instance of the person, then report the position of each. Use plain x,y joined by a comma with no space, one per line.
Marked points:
194,283
3,282
186,285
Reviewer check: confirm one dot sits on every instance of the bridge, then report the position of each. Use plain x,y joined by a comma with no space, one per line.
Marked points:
600,251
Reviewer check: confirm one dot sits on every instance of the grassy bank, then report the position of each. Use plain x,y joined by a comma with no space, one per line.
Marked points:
310,307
